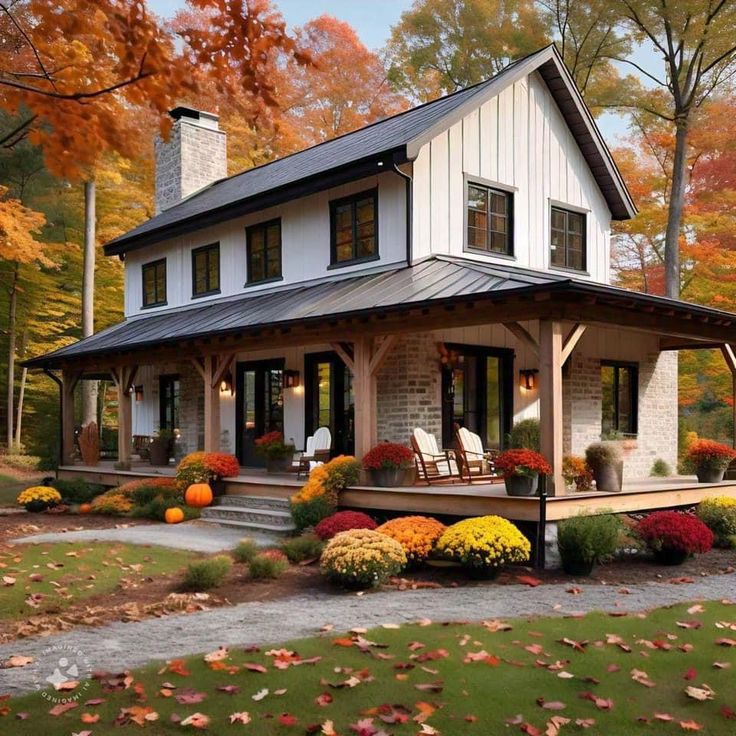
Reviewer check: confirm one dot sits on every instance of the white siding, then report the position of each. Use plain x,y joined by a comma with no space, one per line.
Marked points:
518,139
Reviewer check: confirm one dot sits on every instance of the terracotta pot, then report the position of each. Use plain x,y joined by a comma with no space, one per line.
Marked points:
609,478
709,474
388,477
521,485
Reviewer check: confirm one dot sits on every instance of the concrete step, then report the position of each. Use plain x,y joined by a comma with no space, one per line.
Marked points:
249,526
243,516
269,503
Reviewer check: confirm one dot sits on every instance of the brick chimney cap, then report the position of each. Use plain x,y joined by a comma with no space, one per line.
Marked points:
189,112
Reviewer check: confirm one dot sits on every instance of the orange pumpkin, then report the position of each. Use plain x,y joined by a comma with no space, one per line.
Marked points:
198,495
174,515
85,508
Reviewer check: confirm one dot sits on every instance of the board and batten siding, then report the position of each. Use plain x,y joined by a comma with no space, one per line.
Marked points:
305,235
519,140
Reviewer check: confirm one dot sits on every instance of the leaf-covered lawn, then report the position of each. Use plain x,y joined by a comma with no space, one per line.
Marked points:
596,675
49,577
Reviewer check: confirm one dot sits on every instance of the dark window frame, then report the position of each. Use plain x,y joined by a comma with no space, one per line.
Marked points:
567,211
493,188
249,250
206,249
353,199
153,266
619,365
165,379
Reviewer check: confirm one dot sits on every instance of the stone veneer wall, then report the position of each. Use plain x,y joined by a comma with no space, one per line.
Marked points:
409,388
657,437
191,407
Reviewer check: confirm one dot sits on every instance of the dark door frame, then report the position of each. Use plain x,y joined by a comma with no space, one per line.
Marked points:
163,379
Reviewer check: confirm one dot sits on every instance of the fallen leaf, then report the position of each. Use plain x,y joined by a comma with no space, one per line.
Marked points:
17,660
642,678
691,726
550,705
241,717
532,582
218,655
196,720
286,719
704,692
61,708
323,700
260,694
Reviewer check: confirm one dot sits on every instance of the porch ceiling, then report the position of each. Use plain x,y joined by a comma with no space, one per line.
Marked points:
441,291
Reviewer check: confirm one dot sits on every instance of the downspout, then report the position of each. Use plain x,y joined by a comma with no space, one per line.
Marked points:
409,210
59,383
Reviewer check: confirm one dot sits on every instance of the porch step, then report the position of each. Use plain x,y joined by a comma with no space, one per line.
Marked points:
259,513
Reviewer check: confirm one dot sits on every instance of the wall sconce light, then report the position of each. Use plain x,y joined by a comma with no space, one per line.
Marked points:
528,378
291,379
227,384
138,392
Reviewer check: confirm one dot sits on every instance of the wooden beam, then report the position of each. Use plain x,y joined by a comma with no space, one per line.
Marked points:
225,363
212,428
69,381
571,341
198,363
550,399
364,388
675,343
123,377
346,358
381,353
729,355
522,335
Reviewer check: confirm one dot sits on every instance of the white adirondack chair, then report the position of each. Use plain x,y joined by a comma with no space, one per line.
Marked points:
433,464
476,462
317,451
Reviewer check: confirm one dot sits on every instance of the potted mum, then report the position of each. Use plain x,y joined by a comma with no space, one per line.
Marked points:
673,536
606,462
709,460
160,447
521,470
388,463
278,454
206,467
39,498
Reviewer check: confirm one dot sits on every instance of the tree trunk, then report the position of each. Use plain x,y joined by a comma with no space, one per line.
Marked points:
12,309
674,215
21,392
89,388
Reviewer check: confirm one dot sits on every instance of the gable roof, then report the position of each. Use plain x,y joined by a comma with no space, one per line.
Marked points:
375,148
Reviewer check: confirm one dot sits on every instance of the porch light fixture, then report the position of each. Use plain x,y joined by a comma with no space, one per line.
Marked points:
291,379
227,385
138,392
528,378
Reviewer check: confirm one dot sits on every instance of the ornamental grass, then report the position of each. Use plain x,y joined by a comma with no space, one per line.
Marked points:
362,558
417,535
484,543
719,515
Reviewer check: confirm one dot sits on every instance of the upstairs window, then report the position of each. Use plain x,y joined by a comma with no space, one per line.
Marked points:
568,239
154,283
490,221
206,270
264,251
354,228
620,384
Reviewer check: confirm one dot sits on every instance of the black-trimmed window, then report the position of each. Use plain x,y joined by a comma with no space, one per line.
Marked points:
489,219
620,397
354,228
154,283
263,243
568,239
206,270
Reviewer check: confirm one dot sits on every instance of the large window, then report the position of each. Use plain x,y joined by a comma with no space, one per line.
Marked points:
567,239
154,283
620,383
168,402
354,228
490,219
264,251
206,270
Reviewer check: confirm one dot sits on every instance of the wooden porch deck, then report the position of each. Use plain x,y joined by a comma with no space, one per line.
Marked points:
450,500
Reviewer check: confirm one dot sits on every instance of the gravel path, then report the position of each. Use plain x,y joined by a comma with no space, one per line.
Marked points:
121,646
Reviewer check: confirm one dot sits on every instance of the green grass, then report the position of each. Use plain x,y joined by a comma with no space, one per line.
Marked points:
9,489
486,693
72,572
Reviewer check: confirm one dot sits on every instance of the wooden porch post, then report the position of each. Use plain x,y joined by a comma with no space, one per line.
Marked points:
213,369
550,399
730,357
123,377
69,380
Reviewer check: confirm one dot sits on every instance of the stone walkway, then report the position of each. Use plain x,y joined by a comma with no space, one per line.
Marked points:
122,646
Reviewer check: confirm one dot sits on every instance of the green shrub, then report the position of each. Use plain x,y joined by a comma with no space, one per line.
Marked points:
155,509
525,435
77,490
660,468
268,565
307,514
587,539
246,550
306,547
145,494
719,515
206,574
21,462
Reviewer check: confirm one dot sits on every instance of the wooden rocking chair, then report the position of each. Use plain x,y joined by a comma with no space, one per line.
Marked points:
433,464
317,450
476,463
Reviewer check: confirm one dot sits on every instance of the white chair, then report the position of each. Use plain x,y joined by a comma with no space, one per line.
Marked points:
433,464
317,451
475,461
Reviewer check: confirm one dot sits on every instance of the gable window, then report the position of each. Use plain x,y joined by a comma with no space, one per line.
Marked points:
154,283
620,384
567,239
490,219
354,228
206,270
264,251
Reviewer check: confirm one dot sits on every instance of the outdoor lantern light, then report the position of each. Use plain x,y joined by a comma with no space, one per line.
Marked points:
138,392
528,378
227,385
291,379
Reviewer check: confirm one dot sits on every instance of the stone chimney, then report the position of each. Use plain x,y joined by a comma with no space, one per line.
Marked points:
195,156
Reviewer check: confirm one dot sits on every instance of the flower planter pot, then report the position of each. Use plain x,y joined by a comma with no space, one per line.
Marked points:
35,507
483,573
278,464
578,568
609,478
160,452
521,485
218,487
669,556
388,477
708,474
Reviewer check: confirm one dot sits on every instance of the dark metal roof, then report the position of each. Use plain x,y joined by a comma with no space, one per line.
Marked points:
439,280
355,155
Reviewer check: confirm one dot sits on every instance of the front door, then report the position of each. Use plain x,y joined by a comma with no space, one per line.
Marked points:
477,393
168,400
259,395
329,400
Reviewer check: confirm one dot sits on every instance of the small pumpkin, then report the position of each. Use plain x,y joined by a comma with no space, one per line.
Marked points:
85,508
173,515
198,495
